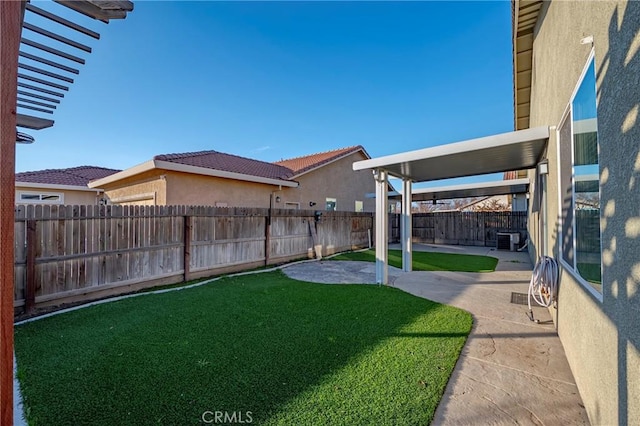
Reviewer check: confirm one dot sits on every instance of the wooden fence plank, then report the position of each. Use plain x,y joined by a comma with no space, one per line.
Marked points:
30,290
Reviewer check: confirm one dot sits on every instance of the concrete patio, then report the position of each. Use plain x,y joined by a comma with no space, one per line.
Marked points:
511,370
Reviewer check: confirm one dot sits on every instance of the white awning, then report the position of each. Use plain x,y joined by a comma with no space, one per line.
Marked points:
498,153
519,150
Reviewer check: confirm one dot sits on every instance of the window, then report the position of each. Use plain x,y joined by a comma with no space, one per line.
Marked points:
331,204
359,206
291,205
580,182
40,198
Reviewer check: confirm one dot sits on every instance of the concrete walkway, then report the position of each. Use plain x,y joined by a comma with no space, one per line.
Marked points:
512,370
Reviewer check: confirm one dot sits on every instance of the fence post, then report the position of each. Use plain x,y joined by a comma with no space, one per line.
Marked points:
267,238
187,247
30,289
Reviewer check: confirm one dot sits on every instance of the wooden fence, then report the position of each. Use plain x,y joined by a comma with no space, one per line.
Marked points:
462,228
68,254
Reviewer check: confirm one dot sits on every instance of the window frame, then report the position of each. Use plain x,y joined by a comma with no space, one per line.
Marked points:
40,200
292,205
328,200
568,115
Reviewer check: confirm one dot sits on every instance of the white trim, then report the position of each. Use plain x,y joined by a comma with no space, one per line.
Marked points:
560,238
184,168
135,170
584,283
587,124
19,199
592,56
480,185
382,227
406,231
493,141
176,167
58,187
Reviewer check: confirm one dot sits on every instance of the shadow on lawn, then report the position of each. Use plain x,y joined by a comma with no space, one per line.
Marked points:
251,343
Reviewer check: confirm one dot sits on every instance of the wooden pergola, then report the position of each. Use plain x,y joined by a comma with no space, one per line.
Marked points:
39,89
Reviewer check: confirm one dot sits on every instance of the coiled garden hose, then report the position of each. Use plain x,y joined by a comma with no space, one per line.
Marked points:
544,283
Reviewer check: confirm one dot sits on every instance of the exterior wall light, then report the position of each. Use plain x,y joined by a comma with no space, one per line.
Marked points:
543,169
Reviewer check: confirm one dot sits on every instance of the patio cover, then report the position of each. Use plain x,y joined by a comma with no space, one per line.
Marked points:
518,150
451,192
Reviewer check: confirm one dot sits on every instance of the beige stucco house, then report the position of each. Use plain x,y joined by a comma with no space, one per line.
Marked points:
321,181
577,70
60,186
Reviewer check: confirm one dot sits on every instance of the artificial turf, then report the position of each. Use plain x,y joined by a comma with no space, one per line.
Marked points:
430,261
274,350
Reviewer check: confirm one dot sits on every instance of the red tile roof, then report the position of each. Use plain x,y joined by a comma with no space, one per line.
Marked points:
229,163
300,165
76,176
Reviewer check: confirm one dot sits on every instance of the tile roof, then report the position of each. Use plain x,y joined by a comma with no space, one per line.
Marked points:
300,165
75,176
229,163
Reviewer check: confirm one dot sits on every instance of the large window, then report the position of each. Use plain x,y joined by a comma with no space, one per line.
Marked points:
580,182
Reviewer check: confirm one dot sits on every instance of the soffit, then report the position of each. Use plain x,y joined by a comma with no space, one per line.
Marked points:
525,15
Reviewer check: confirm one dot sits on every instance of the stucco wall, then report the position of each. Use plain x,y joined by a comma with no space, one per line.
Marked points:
601,338
70,197
336,180
190,189
138,189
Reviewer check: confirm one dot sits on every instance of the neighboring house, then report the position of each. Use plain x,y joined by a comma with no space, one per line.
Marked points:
518,202
329,180
323,181
60,186
577,68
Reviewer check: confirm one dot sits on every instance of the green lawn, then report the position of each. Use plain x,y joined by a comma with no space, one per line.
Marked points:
430,261
288,352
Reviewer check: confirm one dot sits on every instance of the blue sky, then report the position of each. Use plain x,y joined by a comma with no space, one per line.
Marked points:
279,80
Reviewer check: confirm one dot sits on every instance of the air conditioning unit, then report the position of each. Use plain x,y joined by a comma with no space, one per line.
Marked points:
507,240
